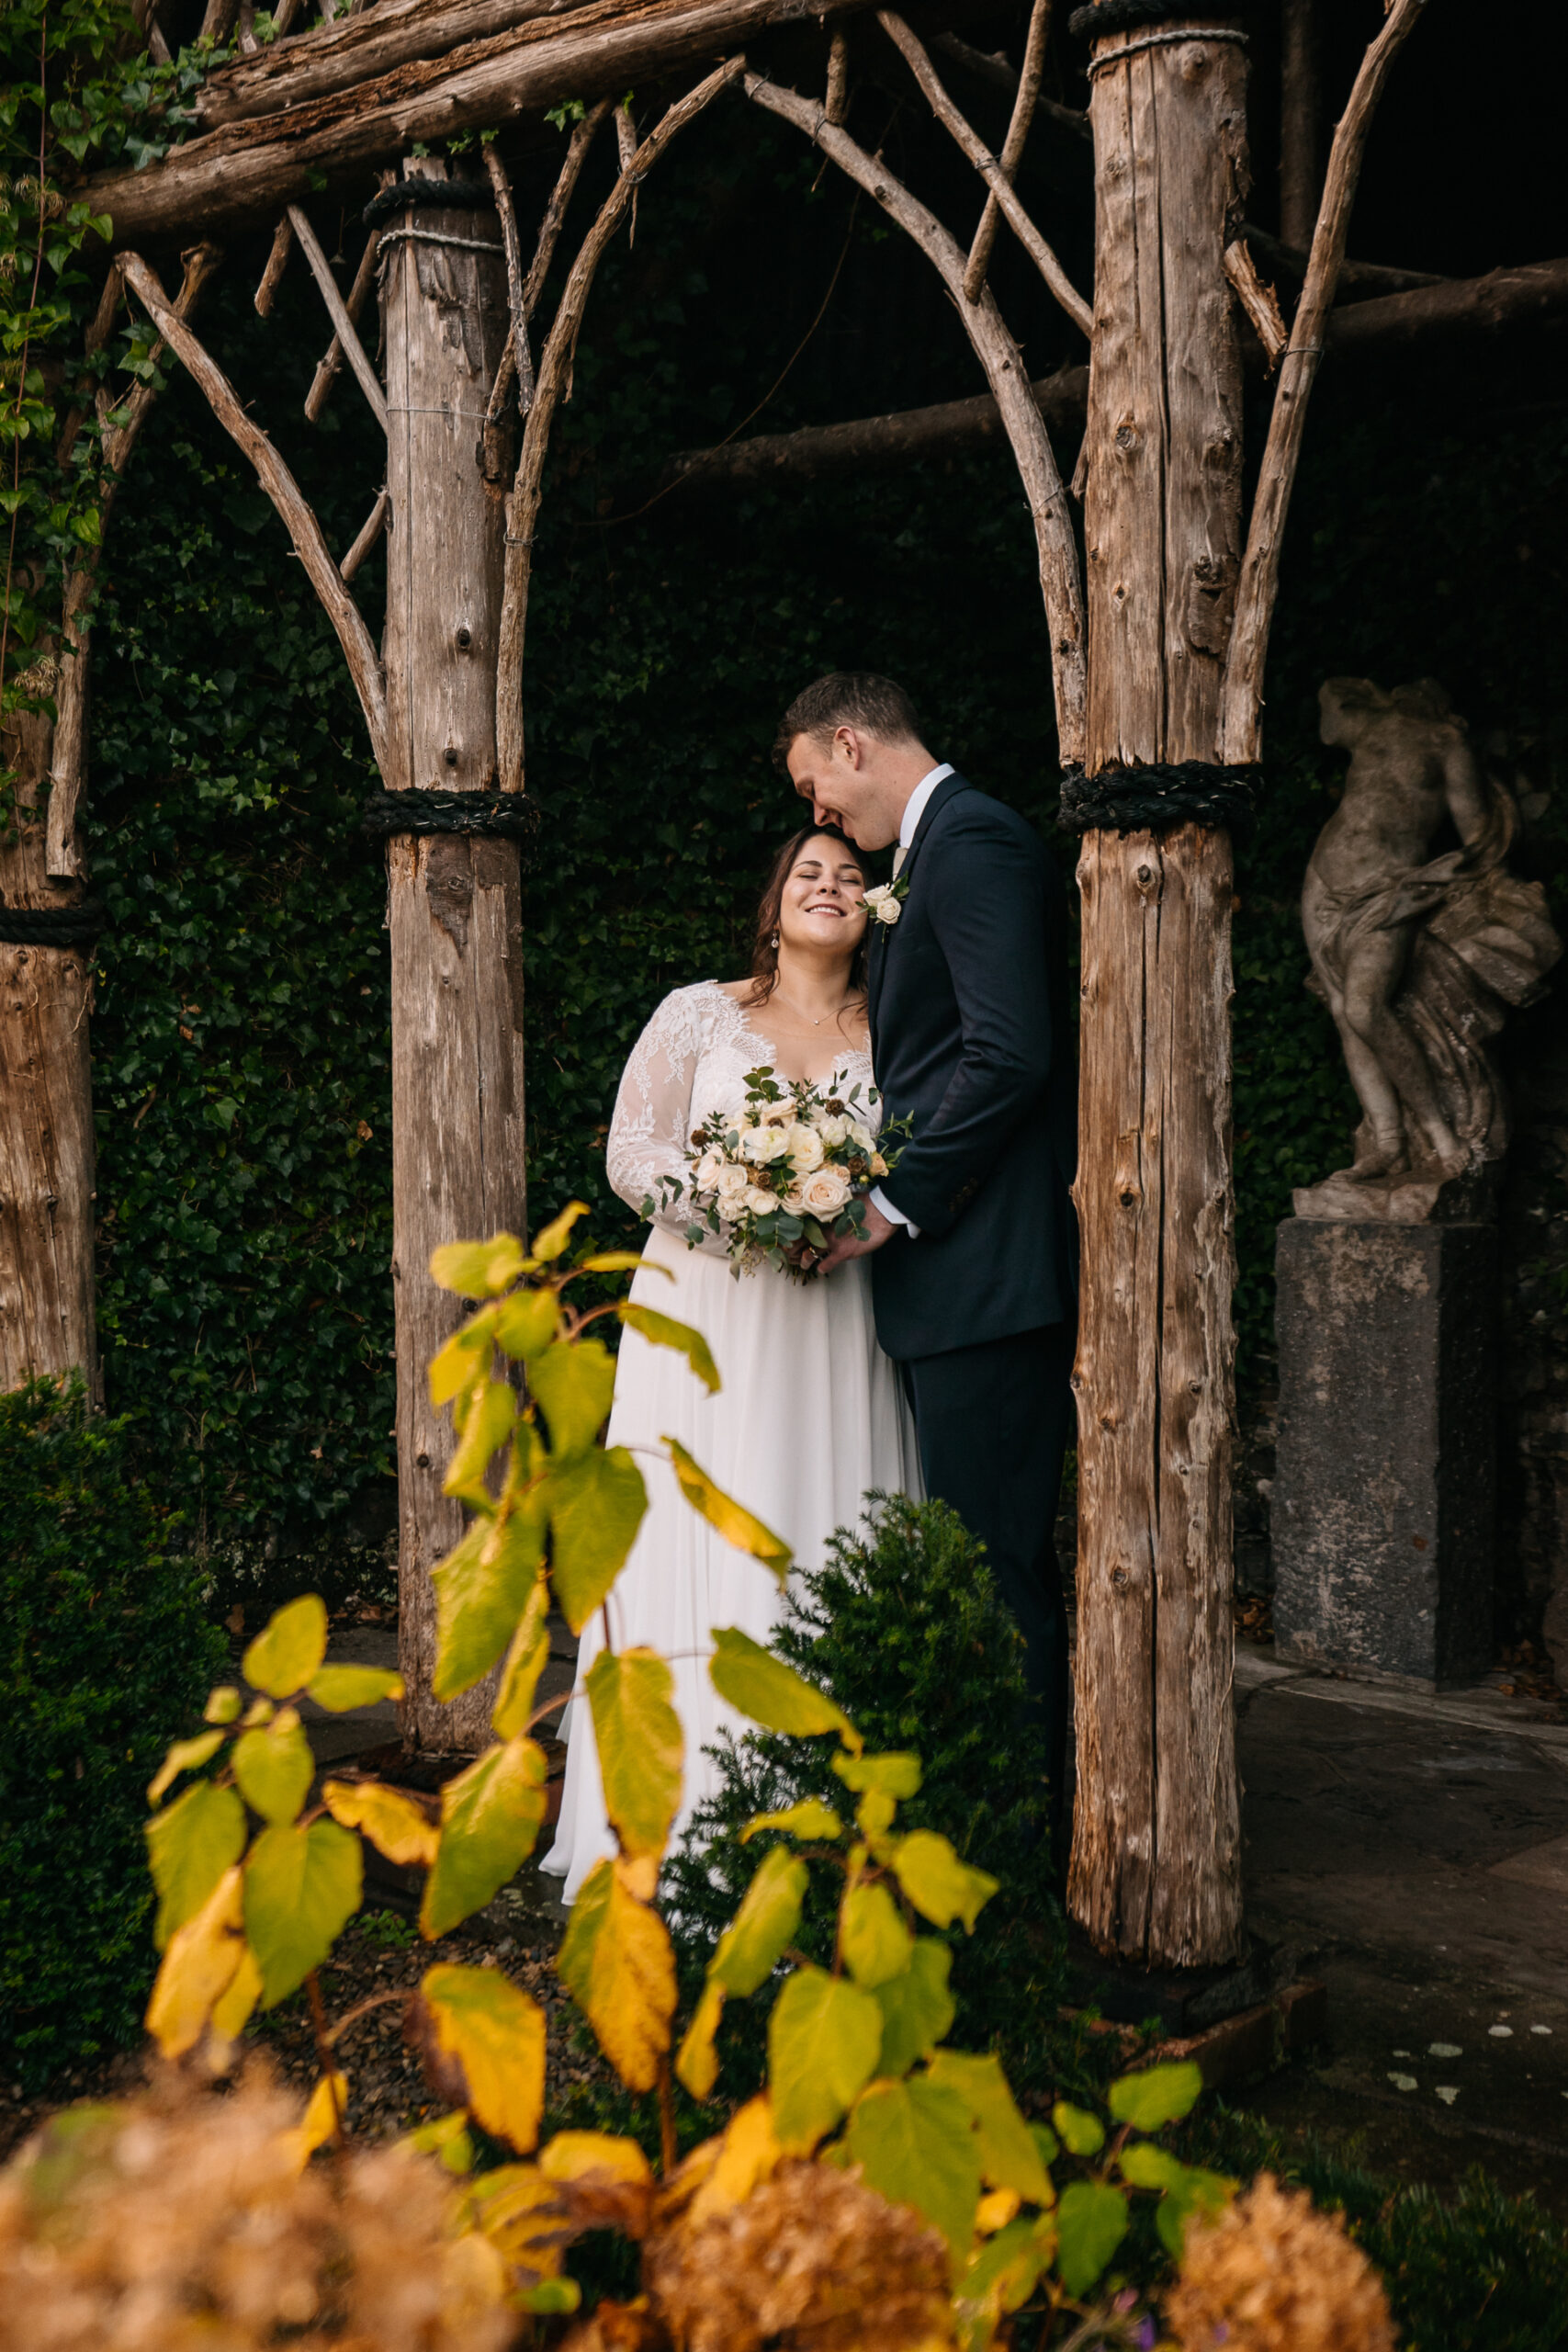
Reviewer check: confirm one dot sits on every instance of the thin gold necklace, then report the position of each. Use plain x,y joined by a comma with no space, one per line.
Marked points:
818,1022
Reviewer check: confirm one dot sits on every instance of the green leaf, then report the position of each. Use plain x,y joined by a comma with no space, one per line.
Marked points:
1046,2142
1092,2221
289,1649
489,1818
640,1746
487,1424
1196,2192
810,1818
574,1385
461,1364
1156,2096
222,1704
477,1269
1008,2157
823,2039
730,1519
496,2034
895,1776
752,1945
528,1322
302,1887
697,2062
941,1887
1144,2165
873,1938
1000,2279
622,1262
663,1331
596,1505
551,1239
184,1756
525,1661
190,1845
481,1590
341,1688
771,1692
916,2007
1082,2134
275,1767
915,2143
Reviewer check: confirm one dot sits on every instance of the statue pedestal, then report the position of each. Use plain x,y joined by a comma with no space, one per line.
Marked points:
1382,1505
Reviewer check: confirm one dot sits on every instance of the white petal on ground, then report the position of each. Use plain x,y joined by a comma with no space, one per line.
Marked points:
1501,2032
1402,2082
1447,2092
1444,2049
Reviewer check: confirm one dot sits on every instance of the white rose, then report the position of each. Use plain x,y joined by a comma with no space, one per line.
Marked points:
858,1136
707,1172
761,1146
832,1130
733,1181
761,1204
776,1114
882,905
805,1149
793,1201
825,1192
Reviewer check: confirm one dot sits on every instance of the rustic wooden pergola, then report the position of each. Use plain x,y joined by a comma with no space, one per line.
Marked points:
1157,639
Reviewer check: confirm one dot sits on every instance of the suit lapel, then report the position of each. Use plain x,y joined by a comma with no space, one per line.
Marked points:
881,943
946,790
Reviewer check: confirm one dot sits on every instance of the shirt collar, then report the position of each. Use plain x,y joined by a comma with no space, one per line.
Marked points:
915,808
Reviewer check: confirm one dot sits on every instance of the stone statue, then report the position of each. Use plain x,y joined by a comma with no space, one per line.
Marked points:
1417,956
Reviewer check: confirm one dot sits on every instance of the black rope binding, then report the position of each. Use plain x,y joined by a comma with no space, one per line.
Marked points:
1104,16
1157,799
76,926
505,815
447,196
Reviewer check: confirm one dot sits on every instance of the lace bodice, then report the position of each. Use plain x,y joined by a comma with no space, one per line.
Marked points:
692,1059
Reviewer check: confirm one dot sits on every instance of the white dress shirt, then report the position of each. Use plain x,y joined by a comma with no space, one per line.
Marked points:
914,809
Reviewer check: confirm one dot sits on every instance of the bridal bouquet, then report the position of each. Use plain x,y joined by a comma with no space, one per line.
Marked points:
790,1168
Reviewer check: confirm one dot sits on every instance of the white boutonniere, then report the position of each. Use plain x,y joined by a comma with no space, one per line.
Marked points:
885,903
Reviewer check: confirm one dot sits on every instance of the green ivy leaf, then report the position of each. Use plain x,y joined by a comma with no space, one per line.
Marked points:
1092,2221
941,1887
573,1384
663,1331
1158,2095
771,1692
823,2039
915,2143
302,1888
596,1505
873,1938
916,2007
289,1649
275,1767
640,1745
489,1818
190,1845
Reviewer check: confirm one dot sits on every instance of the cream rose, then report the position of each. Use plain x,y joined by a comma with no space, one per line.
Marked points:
858,1136
825,1192
761,1204
793,1201
733,1181
882,904
805,1150
707,1172
777,1114
832,1129
761,1146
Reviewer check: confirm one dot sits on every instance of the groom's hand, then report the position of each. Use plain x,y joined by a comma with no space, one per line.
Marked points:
876,1229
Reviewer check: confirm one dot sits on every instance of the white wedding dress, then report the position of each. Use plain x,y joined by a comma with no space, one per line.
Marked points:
810,1414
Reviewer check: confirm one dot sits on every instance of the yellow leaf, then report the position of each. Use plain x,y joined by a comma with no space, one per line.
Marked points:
730,1519
461,1361
663,1331
275,1767
528,1321
771,1692
873,1940
995,2211
622,1262
341,1688
525,1661
574,1382
640,1745
190,1845
289,1649
572,2155
616,1962
197,1969
551,1238
183,1756
231,2010
746,2156
485,1425
477,1269
524,2216
489,1818
697,2062
496,2033
939,1885
393,1823
321,2121
222,1704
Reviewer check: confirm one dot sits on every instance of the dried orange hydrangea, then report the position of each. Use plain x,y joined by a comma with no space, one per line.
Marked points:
1275,2275
181,2220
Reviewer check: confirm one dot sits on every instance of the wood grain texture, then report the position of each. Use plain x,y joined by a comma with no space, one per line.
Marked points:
46,1107
1154,1873
453,904
1025,98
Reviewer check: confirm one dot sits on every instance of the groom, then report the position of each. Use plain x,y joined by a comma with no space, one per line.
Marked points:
974,1275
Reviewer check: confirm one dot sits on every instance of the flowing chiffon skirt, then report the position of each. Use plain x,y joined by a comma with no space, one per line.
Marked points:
810,1414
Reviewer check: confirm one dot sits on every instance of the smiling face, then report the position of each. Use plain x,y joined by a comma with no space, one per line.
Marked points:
821,905
840,774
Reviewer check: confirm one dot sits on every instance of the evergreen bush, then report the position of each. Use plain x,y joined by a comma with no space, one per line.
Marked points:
903,1625
106,1652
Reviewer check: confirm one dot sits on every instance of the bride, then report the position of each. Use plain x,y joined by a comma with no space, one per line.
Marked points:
811,1413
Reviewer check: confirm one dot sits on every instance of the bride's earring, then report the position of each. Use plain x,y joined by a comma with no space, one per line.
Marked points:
774,940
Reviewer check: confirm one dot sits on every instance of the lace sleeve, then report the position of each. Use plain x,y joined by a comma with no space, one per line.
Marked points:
653,1108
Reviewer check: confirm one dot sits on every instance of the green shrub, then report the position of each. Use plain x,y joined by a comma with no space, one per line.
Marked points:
106,1652
904,1626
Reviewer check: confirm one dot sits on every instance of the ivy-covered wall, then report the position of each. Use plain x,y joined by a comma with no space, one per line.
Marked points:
241,1035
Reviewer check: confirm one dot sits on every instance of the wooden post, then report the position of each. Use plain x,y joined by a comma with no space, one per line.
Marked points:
1156,1863
45,1104
1299,133
453,900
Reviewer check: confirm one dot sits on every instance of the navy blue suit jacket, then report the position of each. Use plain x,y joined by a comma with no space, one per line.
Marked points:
969,1038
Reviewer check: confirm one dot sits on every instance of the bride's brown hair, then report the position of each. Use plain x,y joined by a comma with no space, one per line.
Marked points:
765,944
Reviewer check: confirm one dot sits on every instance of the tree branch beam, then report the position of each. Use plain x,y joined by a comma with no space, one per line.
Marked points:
1023,106
999,355
991,171
331,362
280,486
346,338
277,262
554,383
1258,586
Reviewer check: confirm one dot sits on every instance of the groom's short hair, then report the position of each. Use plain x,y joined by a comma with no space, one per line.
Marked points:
847,698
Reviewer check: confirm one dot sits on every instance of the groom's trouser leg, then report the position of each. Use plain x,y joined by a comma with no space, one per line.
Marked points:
994,1423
